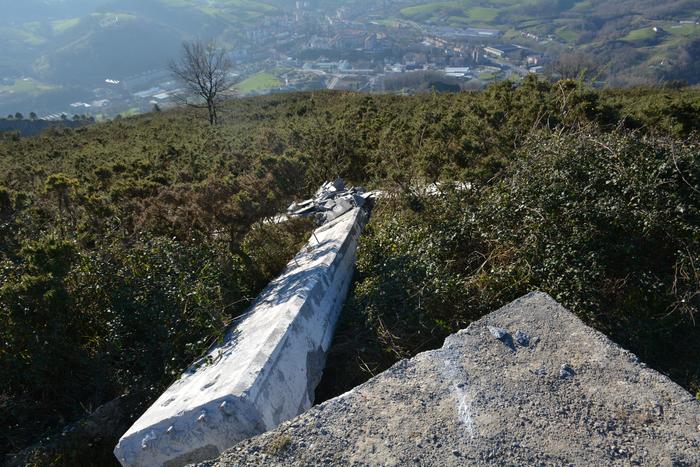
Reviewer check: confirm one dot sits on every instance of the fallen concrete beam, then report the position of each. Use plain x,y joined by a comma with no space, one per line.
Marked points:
268,366
332,200
529,384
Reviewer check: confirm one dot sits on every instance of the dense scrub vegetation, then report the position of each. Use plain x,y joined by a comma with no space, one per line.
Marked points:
126,247
608,224
125,250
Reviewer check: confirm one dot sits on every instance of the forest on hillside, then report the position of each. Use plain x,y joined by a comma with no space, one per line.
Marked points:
127,247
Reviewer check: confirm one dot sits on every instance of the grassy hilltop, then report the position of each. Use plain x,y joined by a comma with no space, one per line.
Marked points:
128,246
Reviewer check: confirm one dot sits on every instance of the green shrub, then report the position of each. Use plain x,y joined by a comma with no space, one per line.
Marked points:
606,223
140,238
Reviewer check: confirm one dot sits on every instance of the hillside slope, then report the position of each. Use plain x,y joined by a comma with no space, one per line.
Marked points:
628,41
127,247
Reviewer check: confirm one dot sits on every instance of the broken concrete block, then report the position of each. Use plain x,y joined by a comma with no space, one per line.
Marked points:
267,368
330,201
327,205
569,397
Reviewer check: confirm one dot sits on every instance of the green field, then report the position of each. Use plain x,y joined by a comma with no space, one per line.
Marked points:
258,82
465,11
684,30
642,34
483,14
23,36
227,9
567,35
63,25
458,12
488,76
427,9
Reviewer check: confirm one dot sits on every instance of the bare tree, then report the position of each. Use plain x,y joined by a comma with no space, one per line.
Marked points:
204,70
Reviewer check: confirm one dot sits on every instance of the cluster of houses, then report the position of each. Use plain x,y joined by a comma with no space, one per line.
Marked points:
308,48
341,53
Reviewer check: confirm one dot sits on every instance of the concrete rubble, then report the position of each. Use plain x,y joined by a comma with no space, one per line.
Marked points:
529,384
331,201
267,367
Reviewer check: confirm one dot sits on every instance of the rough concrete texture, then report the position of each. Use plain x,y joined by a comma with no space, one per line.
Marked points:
529,384
332,200
266,369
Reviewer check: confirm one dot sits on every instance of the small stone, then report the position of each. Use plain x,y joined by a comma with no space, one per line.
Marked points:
566,371
522,338
498,333
456,453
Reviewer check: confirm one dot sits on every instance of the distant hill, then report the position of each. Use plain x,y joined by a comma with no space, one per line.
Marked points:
35,10
62,50
630,40
105,45
78,40
114,38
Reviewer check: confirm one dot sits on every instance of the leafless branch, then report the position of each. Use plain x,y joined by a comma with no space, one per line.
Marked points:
204,71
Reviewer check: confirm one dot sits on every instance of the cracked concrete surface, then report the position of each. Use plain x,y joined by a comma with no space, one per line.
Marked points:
527,384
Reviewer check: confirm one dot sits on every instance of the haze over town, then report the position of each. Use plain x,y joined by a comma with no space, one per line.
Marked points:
66,58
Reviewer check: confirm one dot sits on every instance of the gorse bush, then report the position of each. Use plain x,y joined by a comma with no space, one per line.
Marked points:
121,264
82,328
127,247
606,223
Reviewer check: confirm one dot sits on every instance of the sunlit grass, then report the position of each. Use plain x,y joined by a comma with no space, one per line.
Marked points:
63,25
483,14
257,82
641,34
685,30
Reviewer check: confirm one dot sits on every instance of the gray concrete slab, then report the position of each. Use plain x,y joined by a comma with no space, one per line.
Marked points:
528,384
